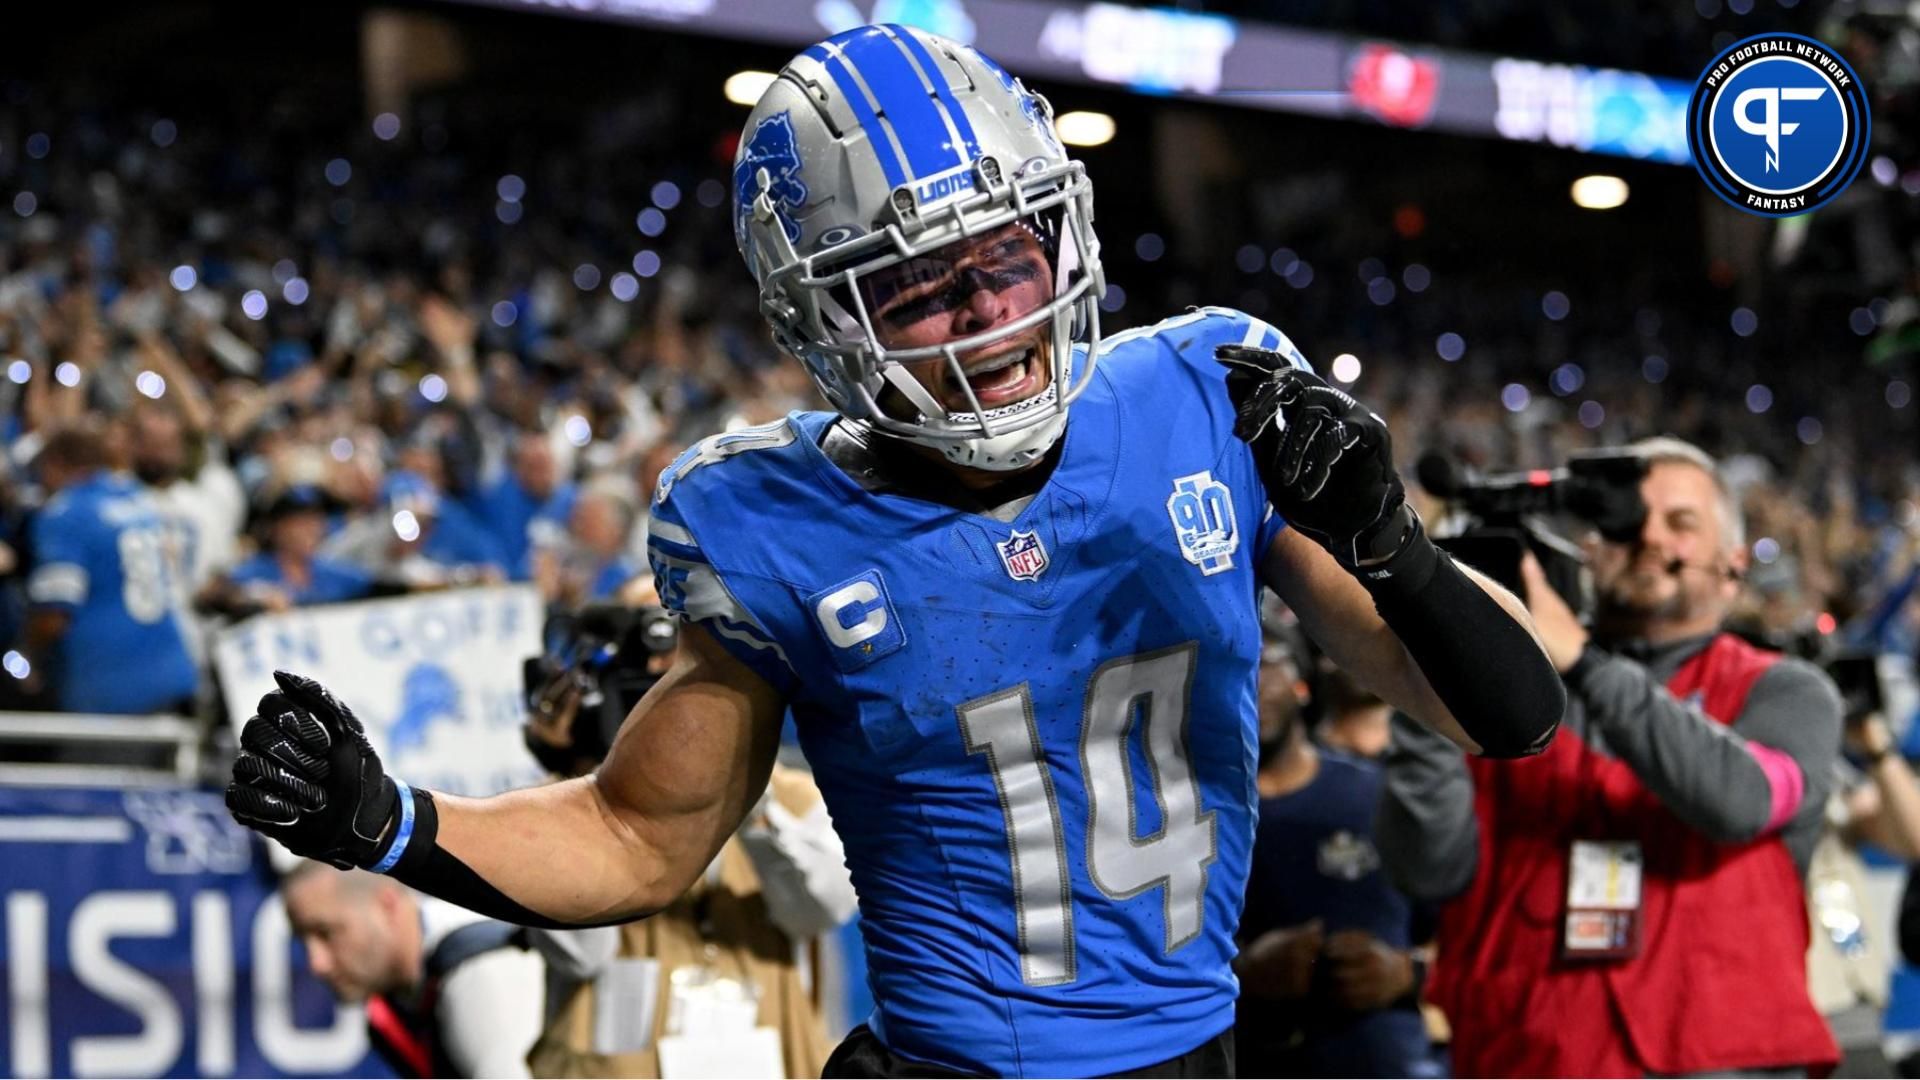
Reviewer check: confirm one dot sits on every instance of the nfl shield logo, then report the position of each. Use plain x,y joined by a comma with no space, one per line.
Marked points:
1024,556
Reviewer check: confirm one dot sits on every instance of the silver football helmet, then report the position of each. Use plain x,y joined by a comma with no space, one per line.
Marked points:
882,145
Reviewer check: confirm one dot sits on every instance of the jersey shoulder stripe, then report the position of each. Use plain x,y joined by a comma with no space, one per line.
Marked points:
705,488
1191,337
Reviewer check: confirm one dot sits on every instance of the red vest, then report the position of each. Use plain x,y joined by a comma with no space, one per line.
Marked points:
1720,980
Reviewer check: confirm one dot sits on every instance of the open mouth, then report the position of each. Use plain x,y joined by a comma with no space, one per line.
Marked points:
1000,380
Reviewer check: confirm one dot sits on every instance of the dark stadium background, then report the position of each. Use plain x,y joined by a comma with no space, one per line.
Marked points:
593,114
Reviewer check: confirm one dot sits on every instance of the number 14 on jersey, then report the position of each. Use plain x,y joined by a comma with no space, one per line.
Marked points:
1155,688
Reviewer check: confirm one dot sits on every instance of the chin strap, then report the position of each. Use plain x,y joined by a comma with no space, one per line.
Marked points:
1008,452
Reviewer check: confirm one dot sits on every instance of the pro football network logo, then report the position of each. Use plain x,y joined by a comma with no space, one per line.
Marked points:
1024,556
1778,125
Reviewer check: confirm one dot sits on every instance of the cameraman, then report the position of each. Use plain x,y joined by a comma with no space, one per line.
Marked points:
722,975
1630,902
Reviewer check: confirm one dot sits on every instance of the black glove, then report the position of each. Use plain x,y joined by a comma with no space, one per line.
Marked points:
307,777
1326,460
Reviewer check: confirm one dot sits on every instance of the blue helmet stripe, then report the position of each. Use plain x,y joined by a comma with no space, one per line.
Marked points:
862,112
904,101
941,90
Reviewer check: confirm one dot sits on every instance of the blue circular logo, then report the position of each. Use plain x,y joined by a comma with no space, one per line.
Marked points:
1778,125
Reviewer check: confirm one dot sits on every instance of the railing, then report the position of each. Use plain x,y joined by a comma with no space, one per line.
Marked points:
87,750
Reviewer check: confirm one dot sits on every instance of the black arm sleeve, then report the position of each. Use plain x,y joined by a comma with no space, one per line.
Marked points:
426,866
1481,661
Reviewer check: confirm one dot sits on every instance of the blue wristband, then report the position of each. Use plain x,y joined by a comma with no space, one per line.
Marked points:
400,835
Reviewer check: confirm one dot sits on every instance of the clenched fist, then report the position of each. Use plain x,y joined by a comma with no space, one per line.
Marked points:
307,777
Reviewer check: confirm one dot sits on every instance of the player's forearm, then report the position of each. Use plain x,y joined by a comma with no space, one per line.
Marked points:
1474,648
593,851
612,873
1338,615
553,856
1327,464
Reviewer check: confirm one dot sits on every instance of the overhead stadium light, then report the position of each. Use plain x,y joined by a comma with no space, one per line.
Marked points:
745,87
1084,128
1599,192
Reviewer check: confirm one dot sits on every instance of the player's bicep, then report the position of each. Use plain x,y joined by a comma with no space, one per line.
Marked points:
693,756
1337,612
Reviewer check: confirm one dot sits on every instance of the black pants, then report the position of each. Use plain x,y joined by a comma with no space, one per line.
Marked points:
863,1055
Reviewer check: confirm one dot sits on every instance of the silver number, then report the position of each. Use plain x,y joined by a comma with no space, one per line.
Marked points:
717,448
1155,686
143,574
1001,726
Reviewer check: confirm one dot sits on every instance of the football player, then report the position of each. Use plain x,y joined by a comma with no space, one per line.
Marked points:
1008,589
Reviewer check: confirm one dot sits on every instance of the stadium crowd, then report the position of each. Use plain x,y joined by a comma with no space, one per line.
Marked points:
392,367
359,359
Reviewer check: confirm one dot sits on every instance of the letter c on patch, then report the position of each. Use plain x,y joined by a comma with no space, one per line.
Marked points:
852,614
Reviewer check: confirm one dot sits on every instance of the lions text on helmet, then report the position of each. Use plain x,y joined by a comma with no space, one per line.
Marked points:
934,269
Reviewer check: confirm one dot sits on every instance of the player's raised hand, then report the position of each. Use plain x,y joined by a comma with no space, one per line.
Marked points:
307,777
1326,459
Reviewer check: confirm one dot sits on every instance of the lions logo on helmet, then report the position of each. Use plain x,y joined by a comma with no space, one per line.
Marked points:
910,143
770,147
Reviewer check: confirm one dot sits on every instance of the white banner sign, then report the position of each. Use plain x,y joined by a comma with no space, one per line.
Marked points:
435,678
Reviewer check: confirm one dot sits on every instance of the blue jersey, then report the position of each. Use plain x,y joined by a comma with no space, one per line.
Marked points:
511,515
457,538
1314,858
101,555
329,581
1036,737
